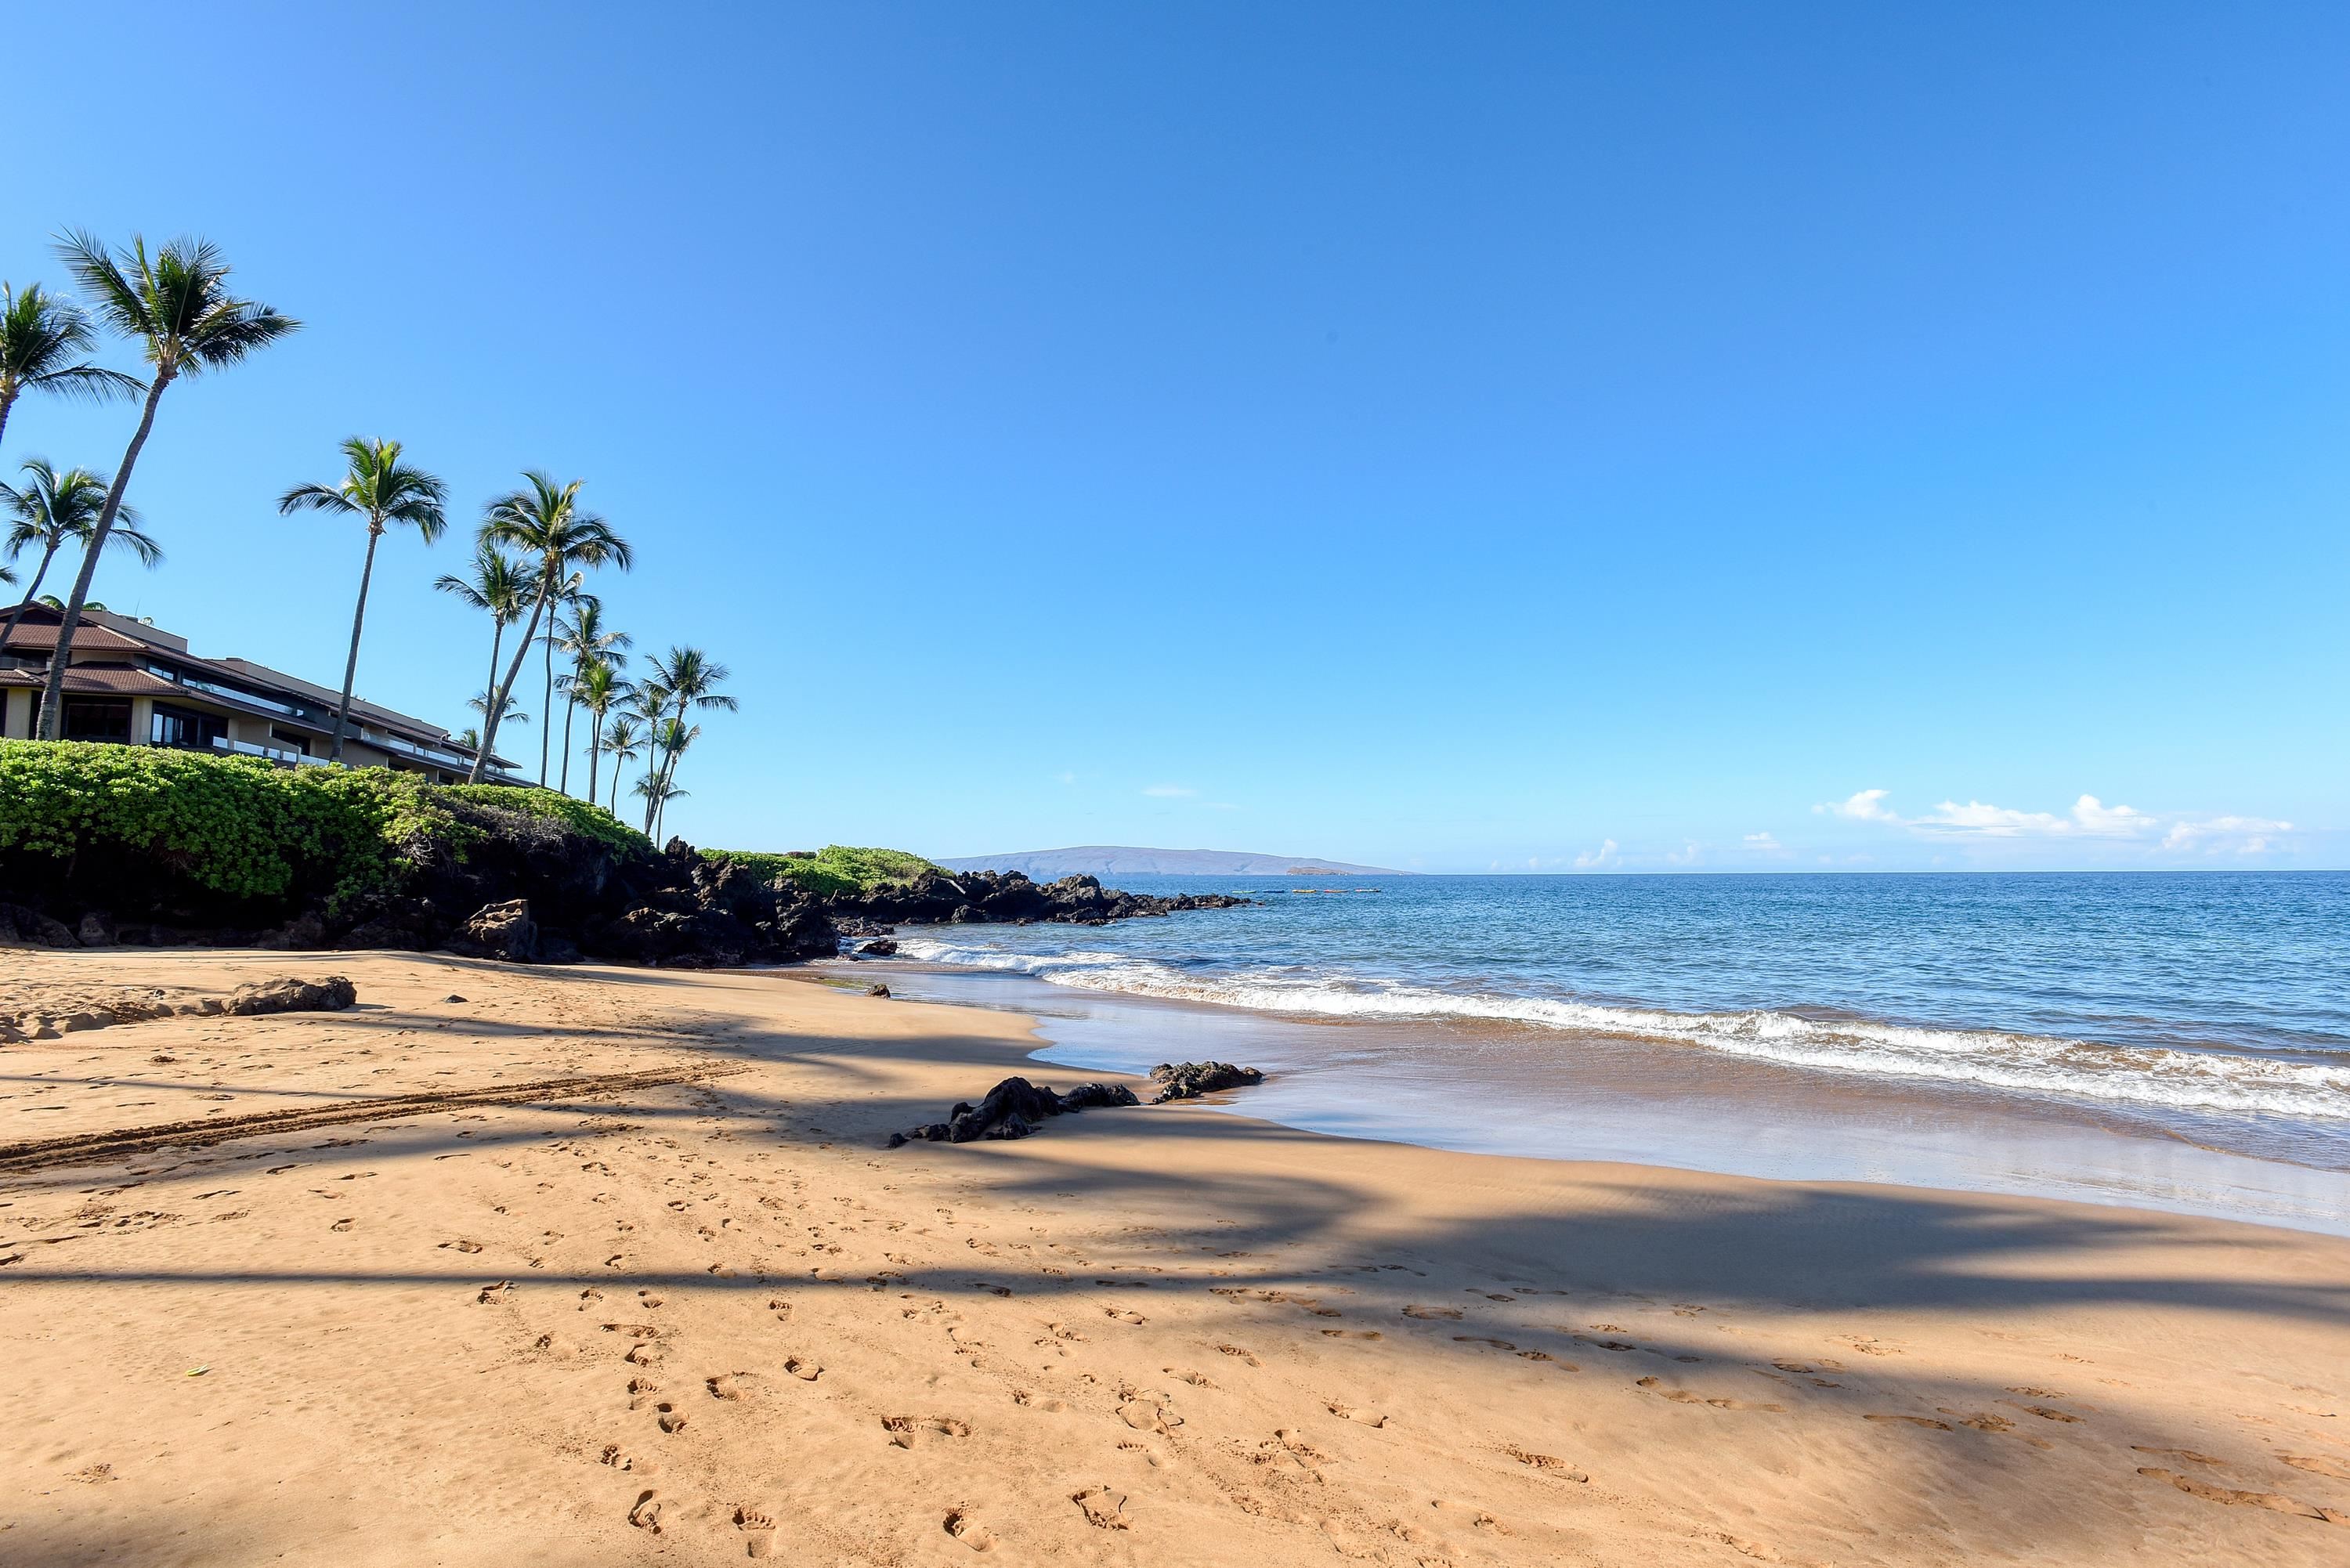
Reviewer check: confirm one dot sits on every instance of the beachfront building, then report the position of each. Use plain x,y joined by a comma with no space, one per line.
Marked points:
131,683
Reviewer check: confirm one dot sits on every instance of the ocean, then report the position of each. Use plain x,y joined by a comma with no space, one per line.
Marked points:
2008,1032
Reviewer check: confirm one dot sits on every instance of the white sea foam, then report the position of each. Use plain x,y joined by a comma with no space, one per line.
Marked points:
2182,1080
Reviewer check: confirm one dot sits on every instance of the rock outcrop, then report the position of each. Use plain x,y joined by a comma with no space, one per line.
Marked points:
1190,1080
1014,1109
331,994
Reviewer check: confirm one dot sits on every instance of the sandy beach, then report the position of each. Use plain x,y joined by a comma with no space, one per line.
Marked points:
590,1265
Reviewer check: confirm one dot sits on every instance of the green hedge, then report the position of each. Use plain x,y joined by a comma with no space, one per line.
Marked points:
835,868
245,828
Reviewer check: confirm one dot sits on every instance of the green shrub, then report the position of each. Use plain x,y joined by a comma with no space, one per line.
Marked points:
835,868
582,817
235,825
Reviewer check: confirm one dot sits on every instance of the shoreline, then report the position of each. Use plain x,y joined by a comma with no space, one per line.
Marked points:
712,1318
1495,1089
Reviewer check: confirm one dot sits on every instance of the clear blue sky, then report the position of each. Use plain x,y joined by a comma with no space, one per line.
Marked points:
1445,437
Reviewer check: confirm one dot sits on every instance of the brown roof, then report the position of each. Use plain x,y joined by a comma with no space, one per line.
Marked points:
32,634
104,678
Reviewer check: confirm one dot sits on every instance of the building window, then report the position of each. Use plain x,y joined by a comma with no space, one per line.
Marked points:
292,740
185,727
98,719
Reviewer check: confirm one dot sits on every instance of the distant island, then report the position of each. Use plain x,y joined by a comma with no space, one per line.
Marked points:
1123,860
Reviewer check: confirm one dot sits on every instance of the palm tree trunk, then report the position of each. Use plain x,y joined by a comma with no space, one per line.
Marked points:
546,704
351,665
53,706
570,707
17,613
595,751
497,638
498,698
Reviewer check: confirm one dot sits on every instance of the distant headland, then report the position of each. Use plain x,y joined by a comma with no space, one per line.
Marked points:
1124,860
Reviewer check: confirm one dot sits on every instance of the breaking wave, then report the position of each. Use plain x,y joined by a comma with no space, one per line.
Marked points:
2146,1075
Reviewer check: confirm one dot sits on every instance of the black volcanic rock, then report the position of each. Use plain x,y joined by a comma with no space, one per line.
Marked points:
1190,1080
1013,1110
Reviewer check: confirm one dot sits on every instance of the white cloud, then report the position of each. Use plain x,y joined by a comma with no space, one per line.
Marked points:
1604,856
1764,843
1170,792
2221,834
1868,805
1688,853
2090,817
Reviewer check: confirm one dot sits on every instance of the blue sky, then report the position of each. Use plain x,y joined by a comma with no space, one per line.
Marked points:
1453,437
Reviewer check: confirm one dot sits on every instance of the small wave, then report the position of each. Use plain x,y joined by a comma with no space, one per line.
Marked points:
2182,1080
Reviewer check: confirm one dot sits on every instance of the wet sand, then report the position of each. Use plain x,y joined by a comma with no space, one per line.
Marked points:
1504,1088
600,1266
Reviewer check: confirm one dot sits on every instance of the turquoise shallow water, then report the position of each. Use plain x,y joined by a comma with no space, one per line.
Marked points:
2210,1010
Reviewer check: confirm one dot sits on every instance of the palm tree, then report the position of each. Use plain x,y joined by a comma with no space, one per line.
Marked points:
571,594
381,488
656,795
590,645
598,687
499,586
480,703
51,510
177,304
42,335
620,742
687,679
672,736
545,524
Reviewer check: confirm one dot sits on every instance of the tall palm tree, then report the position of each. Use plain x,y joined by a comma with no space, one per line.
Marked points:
545,524
384,490
51,510
42,338
670,737
501,587
176,303
480,703
620,742
656,794
570,594
687,679
589,643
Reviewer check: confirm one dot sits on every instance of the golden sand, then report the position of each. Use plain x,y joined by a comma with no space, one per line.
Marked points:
605,1266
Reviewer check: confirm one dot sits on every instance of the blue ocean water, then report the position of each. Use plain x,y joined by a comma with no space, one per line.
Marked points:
2216,1004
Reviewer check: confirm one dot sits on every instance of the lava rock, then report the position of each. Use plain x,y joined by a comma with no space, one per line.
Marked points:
1013,1108
502,930
881,947
1190,1080
876,991
1085,1096
331,994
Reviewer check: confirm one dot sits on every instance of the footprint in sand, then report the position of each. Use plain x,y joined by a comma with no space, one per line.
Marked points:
1196,1379
343,1224
969,1531
1548,1464
2049,1413
1102,1509
902,1428
1348,1412
726,1384
1353,1334
463,1246
1021,1398
1684,1397
646,1514
758,1527
2190,1455
2314,1463
2276,1501
1479,1339
805,1370
1234,1350
1433,1312
1134,1318
1913,1420
668,1418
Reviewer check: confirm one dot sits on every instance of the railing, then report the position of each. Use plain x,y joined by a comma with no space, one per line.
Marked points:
273,754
